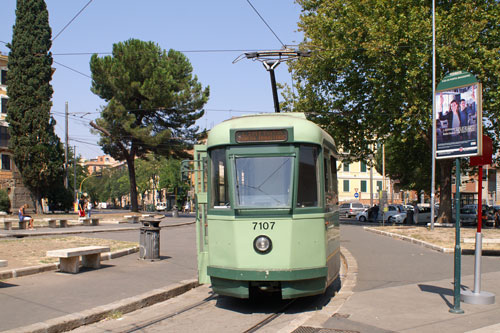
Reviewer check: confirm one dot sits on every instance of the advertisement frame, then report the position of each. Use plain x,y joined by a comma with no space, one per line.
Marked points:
458,116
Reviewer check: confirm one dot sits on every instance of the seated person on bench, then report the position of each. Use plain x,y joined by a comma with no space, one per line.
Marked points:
24,217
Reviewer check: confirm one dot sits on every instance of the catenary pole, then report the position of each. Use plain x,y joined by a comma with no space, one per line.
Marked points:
66,179
433,169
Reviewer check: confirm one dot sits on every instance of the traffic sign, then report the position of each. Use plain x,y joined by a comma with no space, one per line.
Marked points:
356,195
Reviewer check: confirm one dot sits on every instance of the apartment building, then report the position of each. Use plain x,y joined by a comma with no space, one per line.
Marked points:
10,178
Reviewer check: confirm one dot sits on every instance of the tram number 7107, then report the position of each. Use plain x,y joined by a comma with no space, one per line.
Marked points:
263,225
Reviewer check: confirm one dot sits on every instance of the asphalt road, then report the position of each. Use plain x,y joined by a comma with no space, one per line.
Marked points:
386,262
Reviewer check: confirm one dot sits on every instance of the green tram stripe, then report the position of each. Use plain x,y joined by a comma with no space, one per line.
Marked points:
267,275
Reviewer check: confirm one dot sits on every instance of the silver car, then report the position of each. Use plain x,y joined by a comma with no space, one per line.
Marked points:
350,209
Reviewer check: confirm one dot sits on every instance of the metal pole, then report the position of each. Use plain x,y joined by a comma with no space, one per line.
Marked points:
458,250
74,175
270,66
66,179
478,296
275,91
433,176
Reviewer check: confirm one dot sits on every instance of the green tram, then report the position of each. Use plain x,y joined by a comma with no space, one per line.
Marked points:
267,206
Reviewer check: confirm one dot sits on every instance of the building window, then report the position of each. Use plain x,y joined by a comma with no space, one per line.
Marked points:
5,162
346,167
363,166
346,185
4,136
379,185
363,186
3,102
3,77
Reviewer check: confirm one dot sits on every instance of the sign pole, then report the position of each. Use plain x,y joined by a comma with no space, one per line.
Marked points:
477,296
458,250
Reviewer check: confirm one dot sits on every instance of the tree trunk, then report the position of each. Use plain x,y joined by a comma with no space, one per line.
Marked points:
445,167
133,185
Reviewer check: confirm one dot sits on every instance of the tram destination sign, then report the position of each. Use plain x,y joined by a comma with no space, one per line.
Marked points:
270,135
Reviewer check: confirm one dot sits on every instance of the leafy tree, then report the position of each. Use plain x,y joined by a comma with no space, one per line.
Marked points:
37,151
171,180
4,201
153,102
370,74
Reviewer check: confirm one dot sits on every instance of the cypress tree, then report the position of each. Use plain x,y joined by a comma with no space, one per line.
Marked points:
37,151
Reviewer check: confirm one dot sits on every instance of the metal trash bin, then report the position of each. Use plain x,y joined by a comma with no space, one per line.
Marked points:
149,239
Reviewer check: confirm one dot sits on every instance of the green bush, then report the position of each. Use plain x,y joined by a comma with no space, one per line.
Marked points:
4,201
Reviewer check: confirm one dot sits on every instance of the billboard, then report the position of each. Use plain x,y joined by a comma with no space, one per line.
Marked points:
458,116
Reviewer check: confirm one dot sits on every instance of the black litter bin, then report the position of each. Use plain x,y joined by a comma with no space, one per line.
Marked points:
149,240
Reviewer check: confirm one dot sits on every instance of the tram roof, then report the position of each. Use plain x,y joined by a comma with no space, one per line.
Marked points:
303,129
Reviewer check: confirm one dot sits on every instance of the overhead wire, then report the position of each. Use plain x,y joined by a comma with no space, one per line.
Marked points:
284,46
77,14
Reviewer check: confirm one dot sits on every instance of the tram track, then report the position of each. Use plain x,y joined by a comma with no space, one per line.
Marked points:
161,318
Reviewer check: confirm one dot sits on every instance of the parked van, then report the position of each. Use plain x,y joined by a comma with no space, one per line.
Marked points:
350,209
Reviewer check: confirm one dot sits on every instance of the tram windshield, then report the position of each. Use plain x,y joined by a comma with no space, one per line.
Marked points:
263,182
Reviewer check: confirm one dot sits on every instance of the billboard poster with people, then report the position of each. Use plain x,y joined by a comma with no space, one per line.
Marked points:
458,121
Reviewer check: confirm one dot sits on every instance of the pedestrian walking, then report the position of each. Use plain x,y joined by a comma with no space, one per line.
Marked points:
415,213
89,208
497,218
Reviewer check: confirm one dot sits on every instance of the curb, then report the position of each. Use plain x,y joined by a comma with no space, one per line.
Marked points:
77,319
411,240
67,232
348,276
432,246
18,272
346,291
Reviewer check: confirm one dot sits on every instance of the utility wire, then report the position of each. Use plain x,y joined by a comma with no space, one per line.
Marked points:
72,69
266,23
81,10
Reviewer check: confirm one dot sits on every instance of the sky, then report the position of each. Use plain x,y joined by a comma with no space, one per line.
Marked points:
212,34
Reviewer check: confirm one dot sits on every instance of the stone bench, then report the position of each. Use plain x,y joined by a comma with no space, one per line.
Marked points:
69,259
132,218
51,222
84,220
94,221
63,223
7,223
22,224
3,263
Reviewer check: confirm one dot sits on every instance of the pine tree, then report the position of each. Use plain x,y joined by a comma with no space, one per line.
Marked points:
153,100
37,151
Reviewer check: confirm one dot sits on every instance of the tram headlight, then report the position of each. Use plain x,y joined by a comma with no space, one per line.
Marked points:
262,244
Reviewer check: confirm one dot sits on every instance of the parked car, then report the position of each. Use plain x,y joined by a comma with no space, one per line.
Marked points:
161,206
468,215
362,216
350,209
423,217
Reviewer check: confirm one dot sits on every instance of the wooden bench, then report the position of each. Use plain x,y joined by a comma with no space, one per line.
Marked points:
69,259
52,222
132,218
3,263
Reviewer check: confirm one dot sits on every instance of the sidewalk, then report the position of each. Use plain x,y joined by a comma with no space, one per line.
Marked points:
64,301
61,300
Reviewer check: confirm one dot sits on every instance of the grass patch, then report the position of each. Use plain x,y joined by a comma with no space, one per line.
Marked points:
30,251
445,237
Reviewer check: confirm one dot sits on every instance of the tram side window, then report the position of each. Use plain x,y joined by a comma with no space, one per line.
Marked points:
308,188
219,190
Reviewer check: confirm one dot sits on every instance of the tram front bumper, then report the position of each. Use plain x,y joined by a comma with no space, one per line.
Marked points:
294,282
